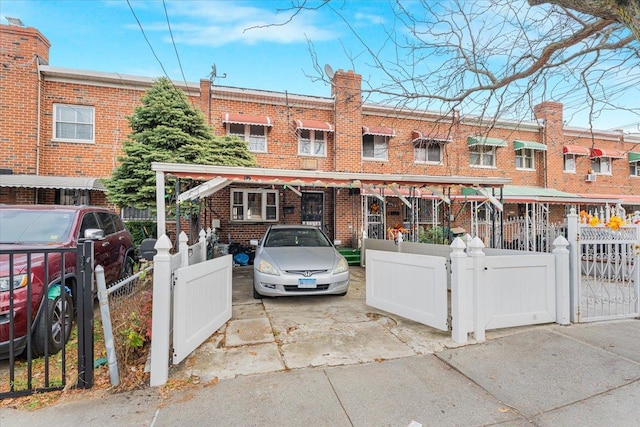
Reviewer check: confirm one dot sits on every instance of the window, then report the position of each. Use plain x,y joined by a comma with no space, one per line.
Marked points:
634,168
426,151
72,197
73,123
482,156
375,147
569,162
312,142
254,135
254,205
601,165
525,159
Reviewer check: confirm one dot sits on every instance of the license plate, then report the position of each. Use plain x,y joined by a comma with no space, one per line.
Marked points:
307,282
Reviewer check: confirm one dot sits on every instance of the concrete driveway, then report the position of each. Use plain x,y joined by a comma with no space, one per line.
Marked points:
278,334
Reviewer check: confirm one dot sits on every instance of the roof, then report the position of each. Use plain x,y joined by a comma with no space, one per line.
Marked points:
58,182
522,193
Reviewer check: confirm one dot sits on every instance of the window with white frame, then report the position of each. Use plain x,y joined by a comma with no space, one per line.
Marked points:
254,205
73,123
427,151
601,165
375,147
569,162
634,168
525,158
482,155
312,142
254,135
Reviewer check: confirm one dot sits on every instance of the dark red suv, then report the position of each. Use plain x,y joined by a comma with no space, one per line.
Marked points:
51,227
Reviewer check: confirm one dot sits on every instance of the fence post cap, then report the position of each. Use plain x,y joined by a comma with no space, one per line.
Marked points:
163,243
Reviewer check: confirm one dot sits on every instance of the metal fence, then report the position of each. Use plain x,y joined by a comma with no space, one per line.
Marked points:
37,318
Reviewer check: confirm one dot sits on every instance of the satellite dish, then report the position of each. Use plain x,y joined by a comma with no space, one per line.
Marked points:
328,71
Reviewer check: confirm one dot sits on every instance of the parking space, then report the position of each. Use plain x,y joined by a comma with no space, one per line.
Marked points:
276,334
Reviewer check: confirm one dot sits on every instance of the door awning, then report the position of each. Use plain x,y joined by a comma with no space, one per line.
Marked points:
419,136
634,157
472,141
378,130
602,152
314,125
519,144
576,150
58,182
245,119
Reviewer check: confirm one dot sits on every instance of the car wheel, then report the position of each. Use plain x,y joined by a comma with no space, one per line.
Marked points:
127,268
256,295
59,312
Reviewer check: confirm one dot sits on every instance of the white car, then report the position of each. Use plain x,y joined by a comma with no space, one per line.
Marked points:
298,260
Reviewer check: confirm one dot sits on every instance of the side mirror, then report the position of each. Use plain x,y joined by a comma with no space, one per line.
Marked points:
93,234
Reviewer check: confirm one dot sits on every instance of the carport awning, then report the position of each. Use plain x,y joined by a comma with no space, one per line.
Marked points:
57,182
205,189
472,141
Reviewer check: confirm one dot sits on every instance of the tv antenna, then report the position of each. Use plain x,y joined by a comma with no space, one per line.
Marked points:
214,74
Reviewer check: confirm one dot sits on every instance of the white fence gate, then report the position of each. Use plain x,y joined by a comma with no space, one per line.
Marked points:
191,300
490,288
605,266
412,286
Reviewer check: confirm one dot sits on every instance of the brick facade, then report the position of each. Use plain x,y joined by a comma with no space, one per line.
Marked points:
30,88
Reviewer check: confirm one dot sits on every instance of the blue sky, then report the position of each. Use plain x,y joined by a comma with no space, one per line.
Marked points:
106,36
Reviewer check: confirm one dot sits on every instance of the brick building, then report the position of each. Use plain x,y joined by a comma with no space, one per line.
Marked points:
350,167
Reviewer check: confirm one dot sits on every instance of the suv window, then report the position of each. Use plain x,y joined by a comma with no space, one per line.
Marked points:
117,222
89,220
107,223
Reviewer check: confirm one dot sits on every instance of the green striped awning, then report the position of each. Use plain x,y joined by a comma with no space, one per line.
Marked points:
634,157
519,144
472,141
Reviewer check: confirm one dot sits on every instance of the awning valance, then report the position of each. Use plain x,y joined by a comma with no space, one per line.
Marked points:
576,150
519,144
472,141
378,130
418,136
634,157
58,182
602,152
314,125
245,119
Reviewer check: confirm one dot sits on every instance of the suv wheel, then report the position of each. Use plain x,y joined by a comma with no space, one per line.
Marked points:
59,312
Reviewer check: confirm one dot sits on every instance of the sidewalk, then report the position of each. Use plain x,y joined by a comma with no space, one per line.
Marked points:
587,375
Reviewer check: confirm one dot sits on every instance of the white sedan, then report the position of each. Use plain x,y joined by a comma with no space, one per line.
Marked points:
298,260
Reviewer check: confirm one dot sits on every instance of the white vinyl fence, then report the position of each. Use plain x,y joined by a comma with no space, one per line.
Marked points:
489,288
191,300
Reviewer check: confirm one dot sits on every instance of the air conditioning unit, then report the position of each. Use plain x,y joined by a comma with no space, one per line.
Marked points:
591,177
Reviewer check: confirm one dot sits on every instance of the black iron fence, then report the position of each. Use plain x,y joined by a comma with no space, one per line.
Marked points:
43,293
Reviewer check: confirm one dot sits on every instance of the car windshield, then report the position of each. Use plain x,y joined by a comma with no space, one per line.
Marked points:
36,226
310,237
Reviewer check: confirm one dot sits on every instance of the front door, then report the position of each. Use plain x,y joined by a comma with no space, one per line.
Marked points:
313,209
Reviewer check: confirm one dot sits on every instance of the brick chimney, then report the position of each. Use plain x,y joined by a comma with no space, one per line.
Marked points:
347,94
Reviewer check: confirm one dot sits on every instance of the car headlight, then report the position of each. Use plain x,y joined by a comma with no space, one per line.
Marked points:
19,281
266,268
341,267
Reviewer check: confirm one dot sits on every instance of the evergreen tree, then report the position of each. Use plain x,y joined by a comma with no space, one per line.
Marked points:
166,128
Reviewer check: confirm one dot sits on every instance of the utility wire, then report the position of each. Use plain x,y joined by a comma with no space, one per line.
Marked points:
175,49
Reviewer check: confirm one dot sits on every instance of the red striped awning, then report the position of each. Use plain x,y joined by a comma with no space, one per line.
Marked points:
576,150
245,119
378,130
417,135
606,152
314,125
